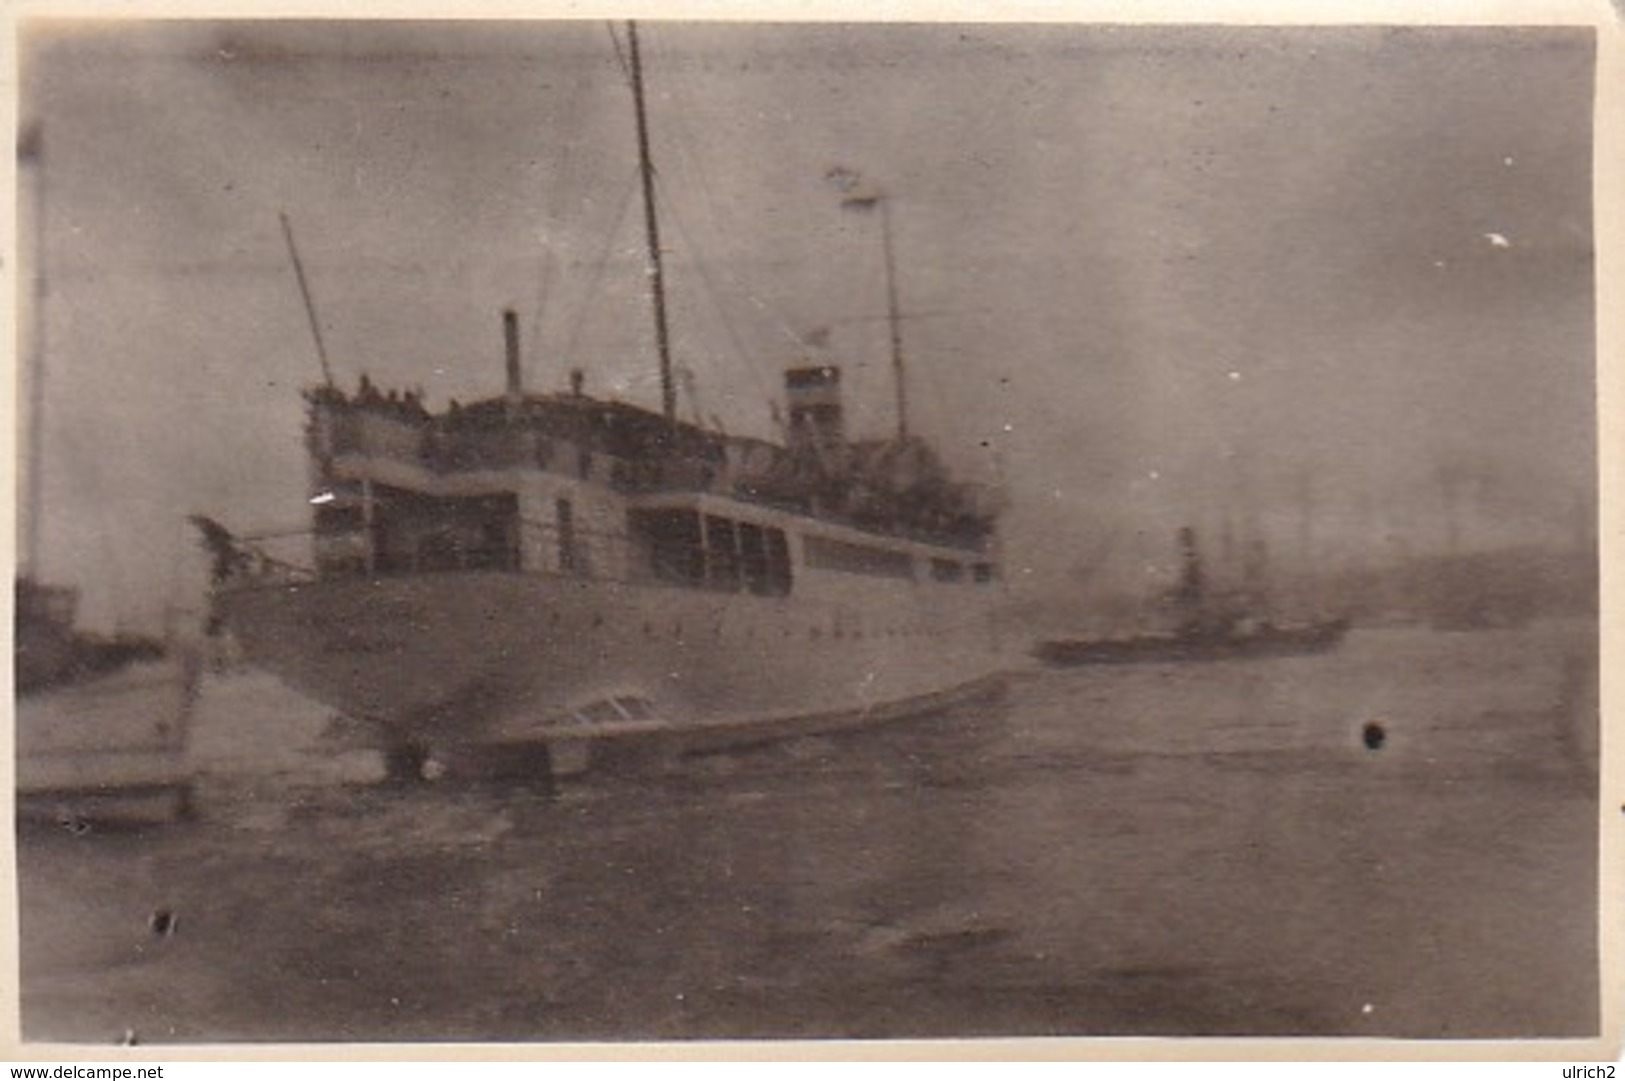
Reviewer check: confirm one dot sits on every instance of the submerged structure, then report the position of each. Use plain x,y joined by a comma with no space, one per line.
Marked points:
503,576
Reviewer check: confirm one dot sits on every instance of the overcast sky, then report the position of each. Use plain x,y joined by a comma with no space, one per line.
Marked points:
1152,276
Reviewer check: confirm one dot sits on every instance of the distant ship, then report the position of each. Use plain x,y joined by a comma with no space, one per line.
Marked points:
1205,644
1205,631
101,721
542,580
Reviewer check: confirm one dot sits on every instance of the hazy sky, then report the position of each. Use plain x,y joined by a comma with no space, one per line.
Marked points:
1152,274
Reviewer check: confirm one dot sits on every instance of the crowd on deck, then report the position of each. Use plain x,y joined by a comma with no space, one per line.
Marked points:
887,486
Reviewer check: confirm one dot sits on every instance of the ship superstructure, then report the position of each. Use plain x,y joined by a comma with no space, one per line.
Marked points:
477,571
479,575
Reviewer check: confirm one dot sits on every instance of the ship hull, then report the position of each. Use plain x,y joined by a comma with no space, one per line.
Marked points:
464,659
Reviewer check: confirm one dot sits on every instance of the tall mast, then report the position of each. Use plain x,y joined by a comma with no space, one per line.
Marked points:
864,197
31,150
651,223
894,320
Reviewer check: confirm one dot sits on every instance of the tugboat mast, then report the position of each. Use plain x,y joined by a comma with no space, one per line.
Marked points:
651,223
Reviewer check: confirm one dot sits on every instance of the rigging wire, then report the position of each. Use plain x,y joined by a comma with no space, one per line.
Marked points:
599,266
690,161
620,53
561,172
534,334
684,140
713,294
669,210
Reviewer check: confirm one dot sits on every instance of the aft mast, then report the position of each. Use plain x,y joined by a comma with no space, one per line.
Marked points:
651,223
862,197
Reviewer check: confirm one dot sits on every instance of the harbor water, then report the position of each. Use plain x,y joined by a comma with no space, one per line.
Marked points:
1397,838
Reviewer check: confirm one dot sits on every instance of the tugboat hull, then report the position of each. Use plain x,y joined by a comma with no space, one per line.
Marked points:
1176,648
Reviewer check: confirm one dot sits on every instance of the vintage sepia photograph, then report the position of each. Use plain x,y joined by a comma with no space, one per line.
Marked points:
541,531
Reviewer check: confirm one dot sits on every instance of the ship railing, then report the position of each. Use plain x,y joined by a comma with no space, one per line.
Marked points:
442,452
436,449
480,449
580,550
258,558
641,477
541,546
388,433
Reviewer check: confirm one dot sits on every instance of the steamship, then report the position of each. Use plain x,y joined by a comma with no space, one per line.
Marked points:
561,577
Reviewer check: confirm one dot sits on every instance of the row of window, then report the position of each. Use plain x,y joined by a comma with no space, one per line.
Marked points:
714,552
836,555
721,553
410,532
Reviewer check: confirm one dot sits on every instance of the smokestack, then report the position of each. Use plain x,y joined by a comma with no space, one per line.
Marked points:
510,336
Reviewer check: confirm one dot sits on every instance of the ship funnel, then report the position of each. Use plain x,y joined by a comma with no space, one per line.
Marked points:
510,337
814,397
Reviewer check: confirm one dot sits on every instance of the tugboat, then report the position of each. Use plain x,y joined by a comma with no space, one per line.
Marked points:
478,573
1205,631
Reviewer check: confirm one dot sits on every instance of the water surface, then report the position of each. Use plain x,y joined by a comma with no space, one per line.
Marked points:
1200,849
